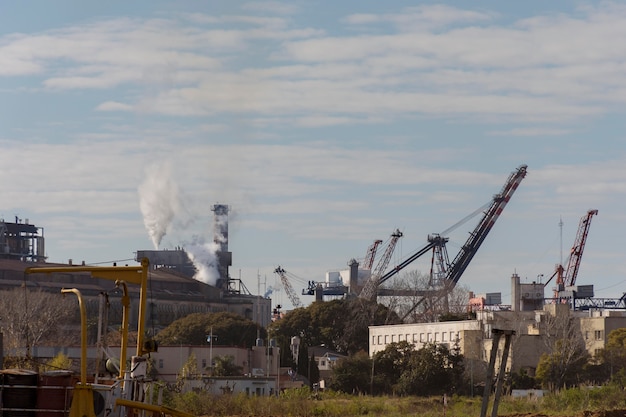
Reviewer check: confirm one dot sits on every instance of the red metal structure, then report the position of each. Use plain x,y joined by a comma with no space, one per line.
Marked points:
456,268
370,288
368,262
566,277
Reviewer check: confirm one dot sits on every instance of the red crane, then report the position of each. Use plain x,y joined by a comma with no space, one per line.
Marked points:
566,277
370,289
466,254
368,262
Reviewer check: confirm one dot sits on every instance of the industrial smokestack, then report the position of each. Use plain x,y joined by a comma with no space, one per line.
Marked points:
220,239
515,293
220,226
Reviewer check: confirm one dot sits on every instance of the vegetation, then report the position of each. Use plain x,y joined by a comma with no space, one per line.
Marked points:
340,325
303,402
33,318
228,329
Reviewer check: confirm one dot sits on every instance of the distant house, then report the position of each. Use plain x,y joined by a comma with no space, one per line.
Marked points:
325,359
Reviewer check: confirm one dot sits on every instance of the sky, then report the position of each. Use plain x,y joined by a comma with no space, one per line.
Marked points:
324,126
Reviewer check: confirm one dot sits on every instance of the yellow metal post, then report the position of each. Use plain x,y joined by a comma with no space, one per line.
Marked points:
124,329
82,401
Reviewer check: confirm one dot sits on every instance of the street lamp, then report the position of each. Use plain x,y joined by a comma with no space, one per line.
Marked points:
210,337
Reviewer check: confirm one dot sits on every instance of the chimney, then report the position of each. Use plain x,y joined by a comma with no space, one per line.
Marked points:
515,293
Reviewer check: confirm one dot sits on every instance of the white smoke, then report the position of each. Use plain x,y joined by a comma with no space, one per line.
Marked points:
204,258
158,201
164,211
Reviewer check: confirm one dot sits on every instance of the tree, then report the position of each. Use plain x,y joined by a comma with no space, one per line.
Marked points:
226,366
426,308
313,371
352,375
388,366
614,353
230,329
34,317
566,357
562,368
433,369
340,325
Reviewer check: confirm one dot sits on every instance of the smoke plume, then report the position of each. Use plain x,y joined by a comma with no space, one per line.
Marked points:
164,211
158,201
204,258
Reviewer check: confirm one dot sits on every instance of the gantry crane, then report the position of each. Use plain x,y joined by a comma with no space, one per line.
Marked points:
477,237
295,301
370,288
566,277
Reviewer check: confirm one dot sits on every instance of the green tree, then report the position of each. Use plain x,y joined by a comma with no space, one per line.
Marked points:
613,356
432,370
228,329
226,366
340,325
563,368
352,375
388,365
314,371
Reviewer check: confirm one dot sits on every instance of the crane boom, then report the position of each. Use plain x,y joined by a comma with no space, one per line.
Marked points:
295,301
477,237
368,262
370,288
567,276
469,249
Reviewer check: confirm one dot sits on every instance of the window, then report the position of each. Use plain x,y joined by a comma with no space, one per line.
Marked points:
443,336
430,337
393,338
436,336
422,337
407,337
414,337
379,339
586,335
160,363
386,339
598,334
322,363
203,363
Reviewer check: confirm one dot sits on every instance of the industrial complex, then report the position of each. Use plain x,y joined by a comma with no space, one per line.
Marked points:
176,291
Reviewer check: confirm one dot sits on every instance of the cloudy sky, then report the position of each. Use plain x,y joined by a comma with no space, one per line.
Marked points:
324,125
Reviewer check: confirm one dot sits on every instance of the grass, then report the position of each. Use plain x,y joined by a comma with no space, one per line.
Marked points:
303,403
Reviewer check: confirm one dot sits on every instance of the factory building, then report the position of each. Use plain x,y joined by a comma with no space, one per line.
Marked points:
174,292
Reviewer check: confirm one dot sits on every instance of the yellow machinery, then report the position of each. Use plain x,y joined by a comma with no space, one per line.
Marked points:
82,401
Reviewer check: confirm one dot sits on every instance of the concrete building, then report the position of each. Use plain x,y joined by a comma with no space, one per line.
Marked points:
536,326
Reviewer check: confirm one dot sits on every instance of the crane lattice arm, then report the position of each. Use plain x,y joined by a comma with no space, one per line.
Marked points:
368,262
461,261
370,288
567,276
295,301
477,237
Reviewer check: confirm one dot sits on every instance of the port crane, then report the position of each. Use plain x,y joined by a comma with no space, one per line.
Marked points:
295,301
566,277
370,288
450,273
368,261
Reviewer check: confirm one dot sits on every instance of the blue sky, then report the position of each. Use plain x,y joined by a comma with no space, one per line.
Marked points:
324,125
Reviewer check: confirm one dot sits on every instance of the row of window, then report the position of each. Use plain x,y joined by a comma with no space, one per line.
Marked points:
430,337
597,335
